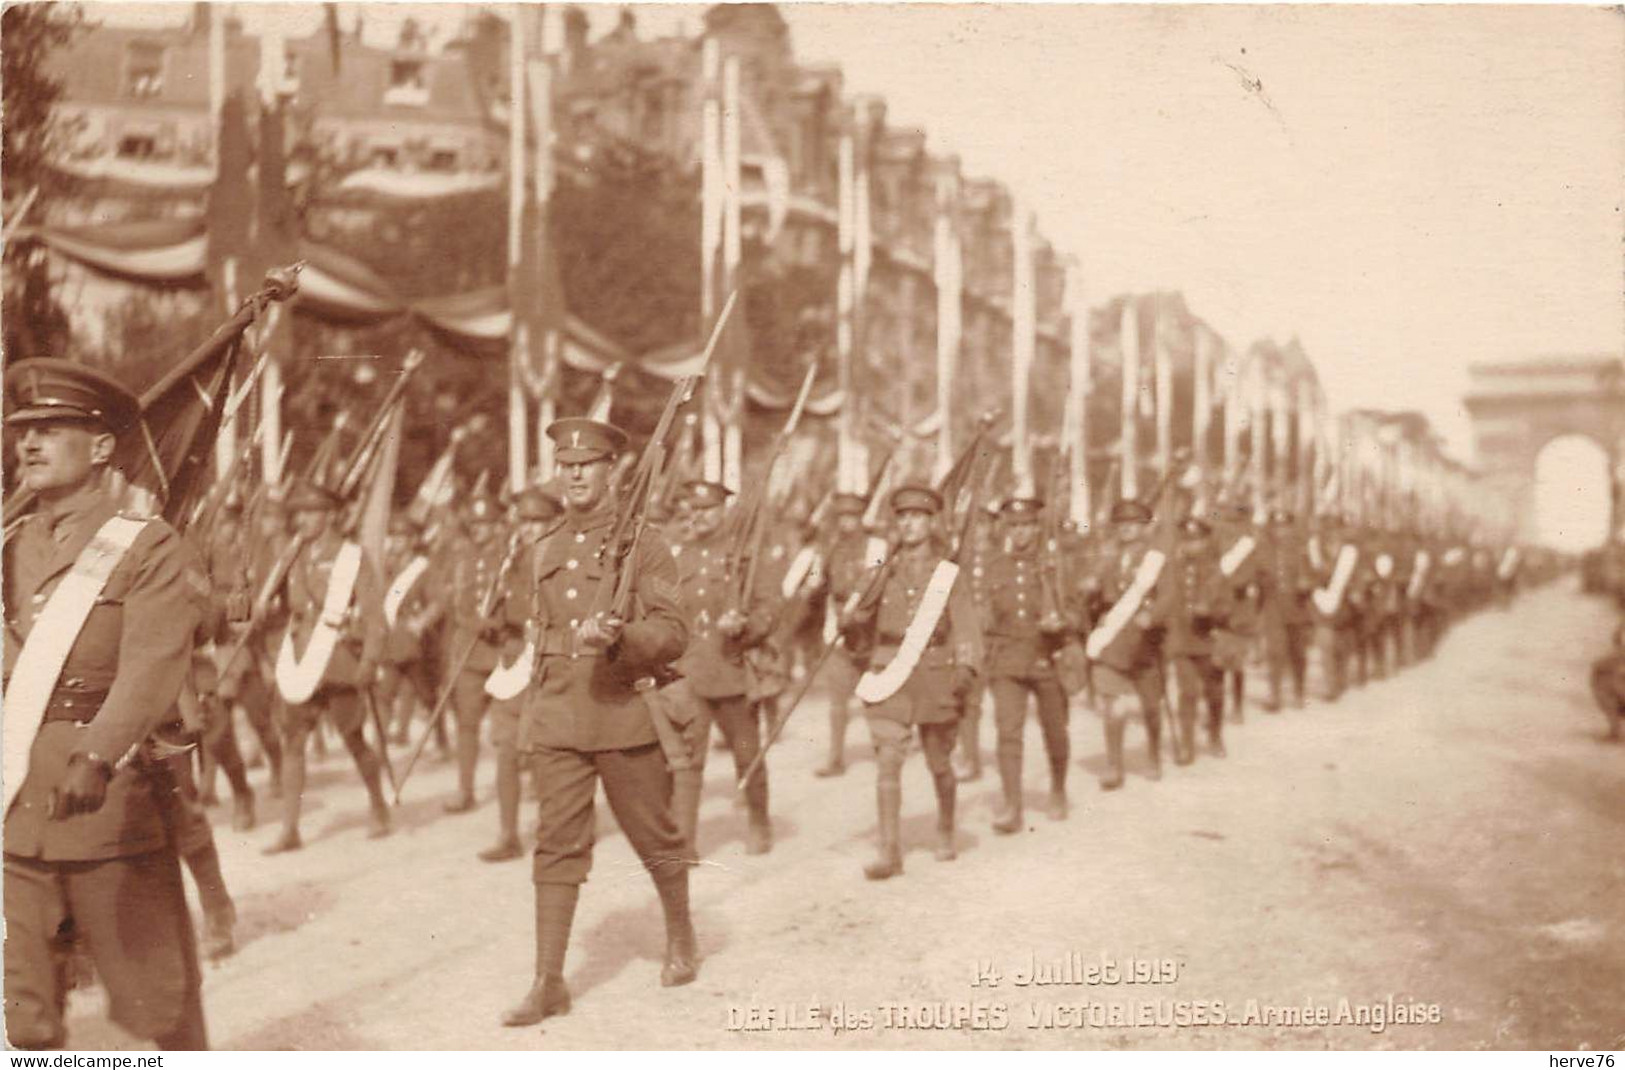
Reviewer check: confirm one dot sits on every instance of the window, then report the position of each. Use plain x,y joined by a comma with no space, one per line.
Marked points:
137,146
385,156
144,67
408,83
442,160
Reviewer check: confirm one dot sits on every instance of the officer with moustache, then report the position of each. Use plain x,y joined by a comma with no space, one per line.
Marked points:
926,695
1024,627
585,719
101,608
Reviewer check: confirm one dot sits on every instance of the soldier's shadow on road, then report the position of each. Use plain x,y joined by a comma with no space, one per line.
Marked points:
281,911
729,827
407,817
637,934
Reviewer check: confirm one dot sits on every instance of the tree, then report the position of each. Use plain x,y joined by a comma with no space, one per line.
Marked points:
35,322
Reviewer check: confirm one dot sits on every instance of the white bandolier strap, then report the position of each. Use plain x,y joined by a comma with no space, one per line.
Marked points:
1509,563
506,681
1316,558
1237,555
402,586
800,567
874,552
298,676
54,632
1117,618
1385,565
1329,599
880,685
1419,574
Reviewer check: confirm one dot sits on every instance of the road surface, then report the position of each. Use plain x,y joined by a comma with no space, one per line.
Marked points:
1448,845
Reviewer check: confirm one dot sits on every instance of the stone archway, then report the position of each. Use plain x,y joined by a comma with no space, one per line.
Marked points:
1517,408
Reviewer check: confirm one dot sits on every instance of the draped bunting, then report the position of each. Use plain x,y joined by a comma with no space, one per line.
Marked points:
341,289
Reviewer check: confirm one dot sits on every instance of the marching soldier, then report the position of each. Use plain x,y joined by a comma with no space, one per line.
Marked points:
329,655
1126,642
471,571
721,633
852,553
585,719
1193,613
1240,604
101,608
1285,620
406,674
983,545
925,656
1024,628
1334,558
1608,684
537,510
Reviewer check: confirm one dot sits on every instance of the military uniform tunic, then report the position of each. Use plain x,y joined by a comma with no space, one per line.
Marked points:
113,873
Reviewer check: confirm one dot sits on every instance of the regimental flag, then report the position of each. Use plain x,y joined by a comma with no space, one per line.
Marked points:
167,455
372,524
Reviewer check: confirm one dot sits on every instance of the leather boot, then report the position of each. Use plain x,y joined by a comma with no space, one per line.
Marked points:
682,956
1010,819
1153,748
555,913
1185,737
889,802
1114,755
1056,805
1238,695
686,785
837,742
947,797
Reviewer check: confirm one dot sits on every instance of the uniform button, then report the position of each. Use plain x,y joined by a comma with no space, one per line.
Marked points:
571,593
581,537
1020,578
572,563
699,592
39,598
575,623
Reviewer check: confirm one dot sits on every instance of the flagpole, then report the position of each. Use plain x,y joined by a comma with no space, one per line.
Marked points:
946,266
1128,343
519,340
710,244
844,287
733,377
541,96
1202,414
1164,364
1258,396
225,443
1078,399
1023,339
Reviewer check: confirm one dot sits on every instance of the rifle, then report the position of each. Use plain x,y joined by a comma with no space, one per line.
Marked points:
747,549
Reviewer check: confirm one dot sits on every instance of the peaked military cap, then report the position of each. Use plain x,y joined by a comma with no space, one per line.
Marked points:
705,494
847,503
1019,507
578,439
308,497
1129,511
50,389
915,499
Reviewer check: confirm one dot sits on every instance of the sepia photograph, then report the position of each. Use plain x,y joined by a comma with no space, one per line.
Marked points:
851,527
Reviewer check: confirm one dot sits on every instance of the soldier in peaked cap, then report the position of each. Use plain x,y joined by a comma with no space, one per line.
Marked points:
585,718
722,633
1025,627
1126,641
87,850
324,680
472,570
852,552
1284,619
1197,610
922,670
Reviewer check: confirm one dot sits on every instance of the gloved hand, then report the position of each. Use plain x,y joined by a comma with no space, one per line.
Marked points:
731,623
1052,624
83,787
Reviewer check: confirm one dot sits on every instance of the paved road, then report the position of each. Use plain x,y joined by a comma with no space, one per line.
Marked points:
1451,837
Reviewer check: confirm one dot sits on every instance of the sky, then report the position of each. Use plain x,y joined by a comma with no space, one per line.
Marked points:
1405,189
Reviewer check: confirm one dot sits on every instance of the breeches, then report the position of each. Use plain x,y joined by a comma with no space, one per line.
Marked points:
638,787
